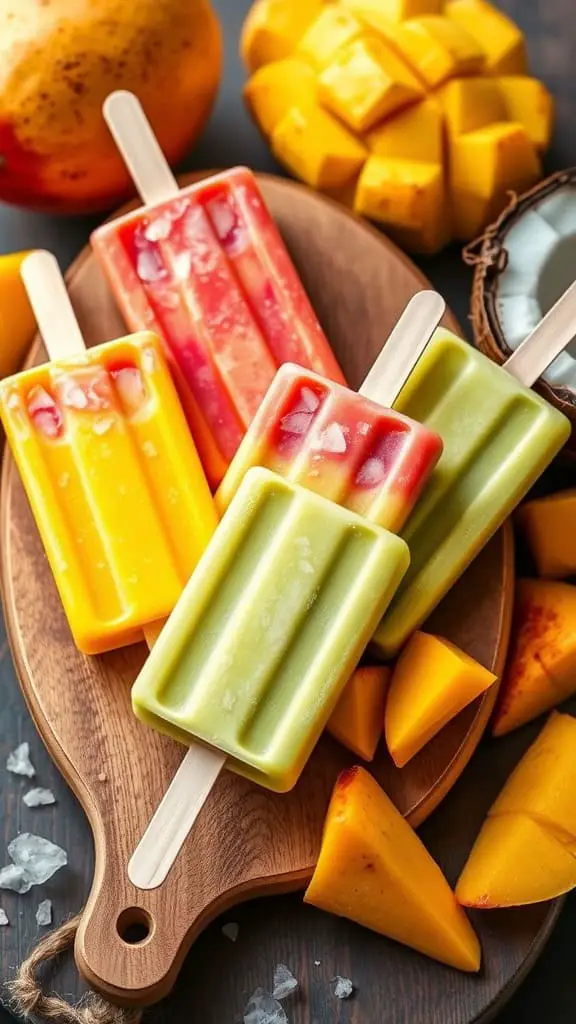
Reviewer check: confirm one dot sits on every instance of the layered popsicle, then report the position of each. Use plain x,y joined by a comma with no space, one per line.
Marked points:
206,269
269,628
499,436
340,444
115,484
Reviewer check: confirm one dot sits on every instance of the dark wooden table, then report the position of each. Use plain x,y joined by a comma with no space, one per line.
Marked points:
550,991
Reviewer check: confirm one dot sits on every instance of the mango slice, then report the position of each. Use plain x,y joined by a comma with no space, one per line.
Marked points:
411,82
526,850
486,165
273,28
407,197
366,82
549,525
373,869
17,321
528,101
317,148
357,720
541,669
432,682
275,88
438,48
501,40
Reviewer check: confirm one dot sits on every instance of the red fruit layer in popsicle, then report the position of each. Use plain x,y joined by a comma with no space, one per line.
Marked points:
348,448
210,274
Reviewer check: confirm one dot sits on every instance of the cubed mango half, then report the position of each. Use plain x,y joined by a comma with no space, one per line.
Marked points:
549,525
373,869
317,148
541,669
357,720
432,682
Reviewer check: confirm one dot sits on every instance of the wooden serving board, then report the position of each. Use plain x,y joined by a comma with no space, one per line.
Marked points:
247,842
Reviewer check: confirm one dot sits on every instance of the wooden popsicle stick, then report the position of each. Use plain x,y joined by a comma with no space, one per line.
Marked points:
51,304
547,340
404,347
139,147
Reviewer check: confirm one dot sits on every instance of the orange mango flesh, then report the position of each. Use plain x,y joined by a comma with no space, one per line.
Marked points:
357,720
526,850
541,669
549,525
373,869
17,322
375,62
432,682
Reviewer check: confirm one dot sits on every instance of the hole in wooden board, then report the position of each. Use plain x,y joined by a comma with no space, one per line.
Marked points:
134,926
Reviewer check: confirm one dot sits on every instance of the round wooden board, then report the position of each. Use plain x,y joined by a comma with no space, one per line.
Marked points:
247,842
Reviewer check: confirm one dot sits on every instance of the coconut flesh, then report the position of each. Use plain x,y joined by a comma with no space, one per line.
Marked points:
541,248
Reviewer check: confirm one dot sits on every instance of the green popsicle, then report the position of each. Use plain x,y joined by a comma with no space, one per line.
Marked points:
269,628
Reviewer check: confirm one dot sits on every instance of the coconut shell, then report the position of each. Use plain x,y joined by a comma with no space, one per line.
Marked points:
489,256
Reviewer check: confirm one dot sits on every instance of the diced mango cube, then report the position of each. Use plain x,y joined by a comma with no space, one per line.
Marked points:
529,102
333,28
541,669
413,134
549,525
432,682
373,869
357,720
437,49
17,321
277,87
526,850
500,39
407,197
471,103
273,28
366,82
317,148
394,10
484,166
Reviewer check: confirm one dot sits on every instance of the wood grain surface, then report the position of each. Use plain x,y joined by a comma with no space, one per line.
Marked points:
117,767
218,976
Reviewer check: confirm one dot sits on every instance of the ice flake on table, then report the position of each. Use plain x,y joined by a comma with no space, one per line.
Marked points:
343,988
262,1008
44,914
284,982
39,798
3,918
34,861
317,963
19,762
231,931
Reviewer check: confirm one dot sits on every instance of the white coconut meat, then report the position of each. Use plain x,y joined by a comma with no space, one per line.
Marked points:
541,265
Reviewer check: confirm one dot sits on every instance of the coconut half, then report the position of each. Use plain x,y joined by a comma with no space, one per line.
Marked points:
524,263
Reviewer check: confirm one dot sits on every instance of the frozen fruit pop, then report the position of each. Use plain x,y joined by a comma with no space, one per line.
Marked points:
499,437
344,445
265,636
206,269
110,469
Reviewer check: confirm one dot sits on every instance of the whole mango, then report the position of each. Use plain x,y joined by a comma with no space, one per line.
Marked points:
59,59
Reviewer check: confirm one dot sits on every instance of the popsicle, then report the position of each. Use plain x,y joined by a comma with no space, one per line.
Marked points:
343,445
199,770
499,436
111,472
206,269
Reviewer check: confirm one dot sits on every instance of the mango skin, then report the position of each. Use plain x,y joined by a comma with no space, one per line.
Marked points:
434,92
59,62
549,525
373,869
541,669
17,321
526,850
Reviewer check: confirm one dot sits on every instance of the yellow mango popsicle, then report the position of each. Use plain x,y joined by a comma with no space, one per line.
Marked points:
114,482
